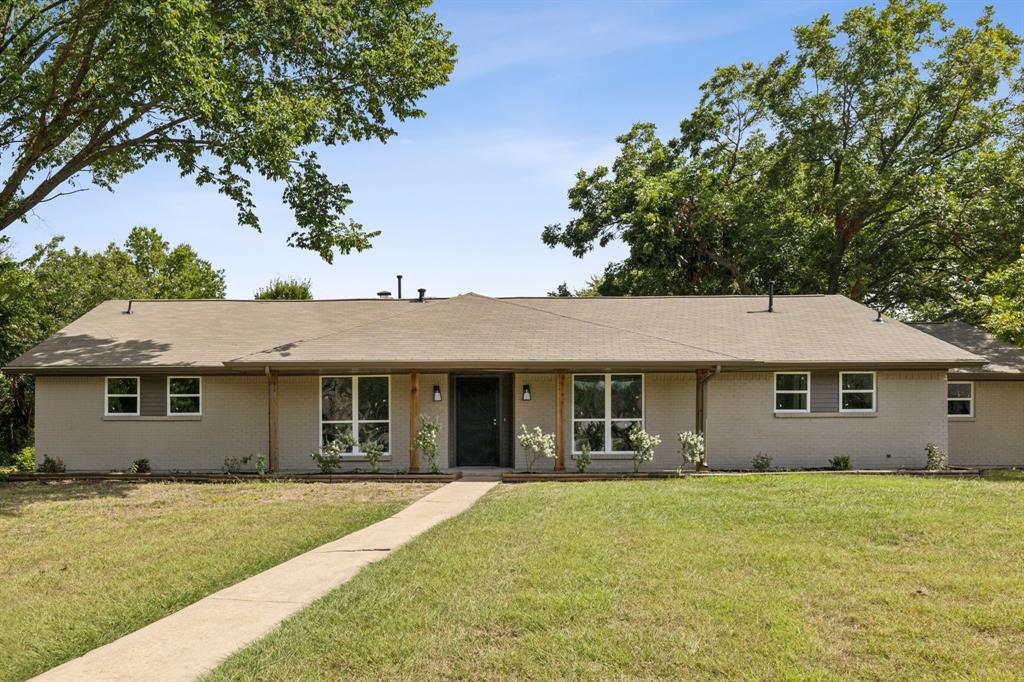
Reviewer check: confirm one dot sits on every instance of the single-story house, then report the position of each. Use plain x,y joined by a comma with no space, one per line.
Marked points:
986,404
187,384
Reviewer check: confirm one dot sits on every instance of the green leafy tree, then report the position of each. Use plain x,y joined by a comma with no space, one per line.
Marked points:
999,306
91,90
291,289
44,292
881,159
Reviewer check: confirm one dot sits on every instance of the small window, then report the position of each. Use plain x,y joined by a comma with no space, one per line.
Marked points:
184,395
960,399
856,391
121,396
792,391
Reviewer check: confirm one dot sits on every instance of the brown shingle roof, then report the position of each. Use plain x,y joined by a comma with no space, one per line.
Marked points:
477,331
1003,358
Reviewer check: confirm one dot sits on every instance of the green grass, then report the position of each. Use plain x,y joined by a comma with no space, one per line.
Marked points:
768,577
83,564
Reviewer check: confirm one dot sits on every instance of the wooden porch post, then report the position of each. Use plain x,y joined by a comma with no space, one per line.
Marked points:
273,421
700,418
414,420
560,421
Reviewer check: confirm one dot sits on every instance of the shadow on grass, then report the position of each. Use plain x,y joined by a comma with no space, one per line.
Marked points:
14,497
1011,475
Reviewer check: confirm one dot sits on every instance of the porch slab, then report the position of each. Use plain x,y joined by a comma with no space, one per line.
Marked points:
189,643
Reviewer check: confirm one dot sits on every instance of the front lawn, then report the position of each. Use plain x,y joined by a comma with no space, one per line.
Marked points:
802,576
83,564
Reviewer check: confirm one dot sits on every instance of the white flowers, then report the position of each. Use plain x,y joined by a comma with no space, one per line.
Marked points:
643,445
426,440
537,444
691,447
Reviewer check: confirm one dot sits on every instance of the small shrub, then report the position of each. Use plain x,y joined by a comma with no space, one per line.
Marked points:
937,457
583,459
328,458
235,465
761,462
261,465
374,451
25,459
840,462
139,466
537,444
426,440
691,448
643,445
52,465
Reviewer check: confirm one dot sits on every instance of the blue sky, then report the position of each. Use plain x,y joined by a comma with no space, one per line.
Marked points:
541,90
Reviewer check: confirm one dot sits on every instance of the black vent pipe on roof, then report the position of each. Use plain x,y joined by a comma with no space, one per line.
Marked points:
399,286
129,311
771,296
423,294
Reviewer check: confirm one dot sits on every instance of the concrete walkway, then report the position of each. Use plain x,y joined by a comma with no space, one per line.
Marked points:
191,642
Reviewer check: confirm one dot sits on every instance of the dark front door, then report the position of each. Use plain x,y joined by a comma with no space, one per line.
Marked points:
477,414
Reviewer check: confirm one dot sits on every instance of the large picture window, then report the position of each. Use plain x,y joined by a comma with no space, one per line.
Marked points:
960,399
360,406
605,408
792,391
184,395
856,391
121,397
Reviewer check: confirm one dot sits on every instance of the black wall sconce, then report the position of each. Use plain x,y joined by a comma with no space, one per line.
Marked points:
526,392
437,393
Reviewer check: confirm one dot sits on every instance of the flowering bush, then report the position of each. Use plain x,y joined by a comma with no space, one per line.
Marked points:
583,459
691,447
761,462
330,454
537,444
643,445
937,457
373,451
426,440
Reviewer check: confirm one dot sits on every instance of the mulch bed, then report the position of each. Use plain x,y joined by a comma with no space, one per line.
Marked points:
234,478
518,477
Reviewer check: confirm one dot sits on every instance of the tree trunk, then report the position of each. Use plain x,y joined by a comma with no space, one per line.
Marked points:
846,229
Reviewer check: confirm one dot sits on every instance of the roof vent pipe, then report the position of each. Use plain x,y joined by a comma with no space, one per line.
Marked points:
879,317
399,286
129,311
423,294
771,296
383,294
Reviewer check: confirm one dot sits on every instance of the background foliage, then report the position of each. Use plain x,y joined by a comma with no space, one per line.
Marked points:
881,159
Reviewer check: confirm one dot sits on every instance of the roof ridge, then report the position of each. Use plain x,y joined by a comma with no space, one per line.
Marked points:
623,329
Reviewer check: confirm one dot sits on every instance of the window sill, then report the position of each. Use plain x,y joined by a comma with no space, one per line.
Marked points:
168,418
605,455
824,415
362,458
963,418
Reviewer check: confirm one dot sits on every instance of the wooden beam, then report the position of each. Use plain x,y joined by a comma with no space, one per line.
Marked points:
700,416
414,420
560,421
273,422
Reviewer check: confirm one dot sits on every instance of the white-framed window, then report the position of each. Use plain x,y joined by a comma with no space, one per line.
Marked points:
185,395
357,405
960,398
792,392
856,391
604,408
121,397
